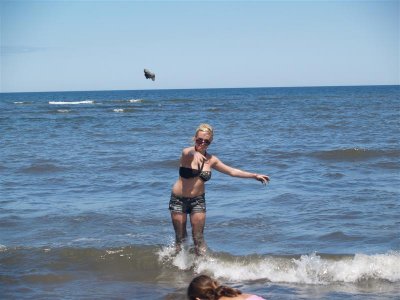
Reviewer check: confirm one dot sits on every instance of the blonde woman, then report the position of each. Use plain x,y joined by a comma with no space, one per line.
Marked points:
204,287
188,192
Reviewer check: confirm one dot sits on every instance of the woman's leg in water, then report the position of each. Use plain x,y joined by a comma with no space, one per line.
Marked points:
179,223
198,221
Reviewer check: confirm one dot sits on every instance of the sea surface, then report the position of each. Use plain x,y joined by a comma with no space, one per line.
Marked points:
86,178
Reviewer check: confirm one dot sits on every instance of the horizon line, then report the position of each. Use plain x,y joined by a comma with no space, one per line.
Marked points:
202,88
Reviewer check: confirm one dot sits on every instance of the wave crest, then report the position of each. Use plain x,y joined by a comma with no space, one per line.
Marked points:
308,269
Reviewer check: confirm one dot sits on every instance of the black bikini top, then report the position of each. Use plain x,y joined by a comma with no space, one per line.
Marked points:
192,173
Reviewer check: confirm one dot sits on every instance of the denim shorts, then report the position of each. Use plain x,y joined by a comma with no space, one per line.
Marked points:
187,205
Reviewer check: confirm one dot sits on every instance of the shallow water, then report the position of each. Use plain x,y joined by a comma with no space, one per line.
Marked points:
86,178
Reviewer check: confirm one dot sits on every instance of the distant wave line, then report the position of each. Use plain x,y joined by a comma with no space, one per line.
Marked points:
354,154
71,102
345,154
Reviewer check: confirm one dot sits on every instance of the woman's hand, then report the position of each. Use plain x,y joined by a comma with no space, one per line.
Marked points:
263,178
198,156
192,155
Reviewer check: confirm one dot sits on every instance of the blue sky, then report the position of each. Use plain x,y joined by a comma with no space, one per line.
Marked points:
105,45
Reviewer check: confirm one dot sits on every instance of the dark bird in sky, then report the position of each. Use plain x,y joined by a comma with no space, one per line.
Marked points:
148,74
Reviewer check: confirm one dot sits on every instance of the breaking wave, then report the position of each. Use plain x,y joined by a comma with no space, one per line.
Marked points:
131,261
309,269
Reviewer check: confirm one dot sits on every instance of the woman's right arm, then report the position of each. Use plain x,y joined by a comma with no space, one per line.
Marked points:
189,154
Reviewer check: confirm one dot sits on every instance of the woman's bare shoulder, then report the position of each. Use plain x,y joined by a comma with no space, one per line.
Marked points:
212,158
187,151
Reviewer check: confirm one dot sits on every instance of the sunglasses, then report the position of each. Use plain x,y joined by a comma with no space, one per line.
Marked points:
200,141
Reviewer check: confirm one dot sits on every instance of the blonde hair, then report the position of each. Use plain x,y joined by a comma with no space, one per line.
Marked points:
205,128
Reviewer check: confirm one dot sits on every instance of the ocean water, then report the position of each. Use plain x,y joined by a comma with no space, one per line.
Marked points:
86,178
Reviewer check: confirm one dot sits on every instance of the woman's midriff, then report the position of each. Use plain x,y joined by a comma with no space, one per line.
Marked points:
190,188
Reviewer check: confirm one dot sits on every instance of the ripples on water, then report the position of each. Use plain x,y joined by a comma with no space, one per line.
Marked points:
85,180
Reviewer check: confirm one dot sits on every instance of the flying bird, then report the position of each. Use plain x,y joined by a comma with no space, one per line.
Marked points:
148,74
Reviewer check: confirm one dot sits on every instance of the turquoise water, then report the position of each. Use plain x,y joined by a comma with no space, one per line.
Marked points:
86,178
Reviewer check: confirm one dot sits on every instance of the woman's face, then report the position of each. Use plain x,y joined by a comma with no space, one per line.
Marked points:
203,139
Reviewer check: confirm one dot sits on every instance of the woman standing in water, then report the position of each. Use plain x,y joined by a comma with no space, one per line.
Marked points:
188,192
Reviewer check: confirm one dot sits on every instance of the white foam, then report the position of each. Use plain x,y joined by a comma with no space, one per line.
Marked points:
135,100
118,110
71,102
114,251
383,266
309,269
184,260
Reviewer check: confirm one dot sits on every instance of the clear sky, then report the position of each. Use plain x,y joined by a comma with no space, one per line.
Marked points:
105,45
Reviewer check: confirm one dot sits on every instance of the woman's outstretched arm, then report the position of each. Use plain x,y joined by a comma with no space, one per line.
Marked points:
223,168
